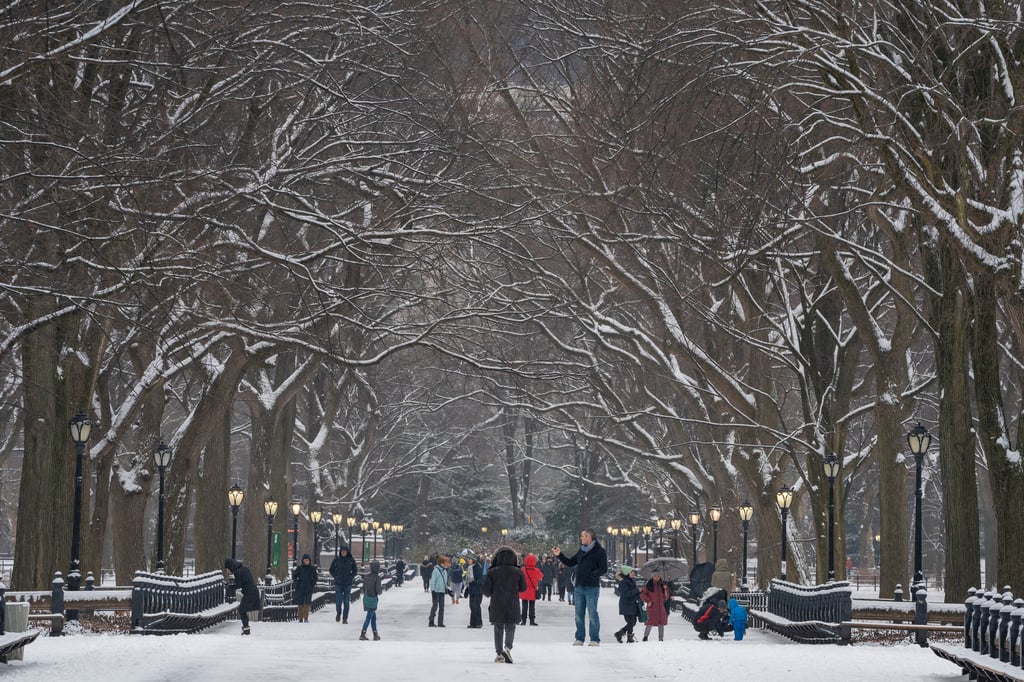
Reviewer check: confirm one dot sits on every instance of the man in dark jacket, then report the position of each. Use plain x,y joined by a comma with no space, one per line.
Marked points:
343,569
250,592
475,591
502,584
591,564
303,585
399,572
711,617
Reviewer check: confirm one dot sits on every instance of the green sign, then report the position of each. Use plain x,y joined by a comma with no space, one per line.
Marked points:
275,549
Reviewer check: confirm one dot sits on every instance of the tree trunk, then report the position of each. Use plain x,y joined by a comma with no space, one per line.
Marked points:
129,493
211,535
950,317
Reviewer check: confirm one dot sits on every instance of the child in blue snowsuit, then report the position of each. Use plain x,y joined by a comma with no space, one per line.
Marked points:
738,618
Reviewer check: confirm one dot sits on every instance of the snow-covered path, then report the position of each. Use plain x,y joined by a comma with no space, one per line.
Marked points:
325,650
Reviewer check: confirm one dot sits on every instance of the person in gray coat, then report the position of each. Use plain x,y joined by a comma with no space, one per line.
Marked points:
502,584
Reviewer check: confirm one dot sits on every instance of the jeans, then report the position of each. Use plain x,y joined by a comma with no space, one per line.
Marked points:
437,607
342,597
475,613
586,605
370,621
504,635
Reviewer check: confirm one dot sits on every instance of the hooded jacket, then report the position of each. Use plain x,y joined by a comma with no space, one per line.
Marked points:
372,583
502,583
533,576
343,569
243,579
304,581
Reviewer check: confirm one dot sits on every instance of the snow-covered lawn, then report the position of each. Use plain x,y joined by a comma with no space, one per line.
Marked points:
325,650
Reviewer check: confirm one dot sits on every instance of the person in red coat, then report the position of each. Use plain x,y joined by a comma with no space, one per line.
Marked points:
528,597
656,595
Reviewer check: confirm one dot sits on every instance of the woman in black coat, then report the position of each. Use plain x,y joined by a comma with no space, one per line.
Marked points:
629,594
303,584
502,584
250,592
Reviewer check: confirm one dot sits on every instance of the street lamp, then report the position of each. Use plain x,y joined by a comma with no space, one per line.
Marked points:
746,513
81,427
615,539
396,546
315,516
338,519
162,459
647,538
624,532
270,507
363,526
661,523
387,527
376,530
918,439
235,495
784,498
296,509
676,525
694,519
715,513
504,535
635,534
831,471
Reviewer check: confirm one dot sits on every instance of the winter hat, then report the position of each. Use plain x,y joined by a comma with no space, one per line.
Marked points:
626,570
343,548
721,604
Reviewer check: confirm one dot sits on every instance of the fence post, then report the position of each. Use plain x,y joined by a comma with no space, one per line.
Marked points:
969,615
3,607
897,593
57,593
921,614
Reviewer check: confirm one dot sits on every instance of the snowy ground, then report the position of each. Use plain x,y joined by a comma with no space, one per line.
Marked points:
325,650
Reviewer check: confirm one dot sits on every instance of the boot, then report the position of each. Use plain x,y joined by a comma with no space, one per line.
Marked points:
376,637
618,636
533,622
337,616
522,621
630,639
362,636
245,630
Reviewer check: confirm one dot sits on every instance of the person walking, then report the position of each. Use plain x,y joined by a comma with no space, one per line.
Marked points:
372,587
439,588
250,601
548,568
528,596
503,583
456,580
656,594
303,583
343,569
591,562
570,585
562,579
475,588
629,593
426,569
399,572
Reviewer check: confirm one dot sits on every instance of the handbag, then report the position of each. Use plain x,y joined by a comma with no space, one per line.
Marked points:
641,611
369,603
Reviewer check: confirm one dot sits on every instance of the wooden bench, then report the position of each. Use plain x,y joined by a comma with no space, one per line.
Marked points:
12,641
168,623
805,632
978,666
56,622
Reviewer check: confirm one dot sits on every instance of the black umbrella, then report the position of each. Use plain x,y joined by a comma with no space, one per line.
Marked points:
669,568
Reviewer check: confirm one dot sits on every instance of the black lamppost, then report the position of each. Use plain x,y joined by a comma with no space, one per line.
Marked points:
351,523
81,427
715,513
648,529
363,526
315,516
624,532
635,534
746,513
387,528
918,439
831,472
376,530
270,507
296,509
784,498
614,533
694,520
676,525
235,495
338,519
661,523
162,458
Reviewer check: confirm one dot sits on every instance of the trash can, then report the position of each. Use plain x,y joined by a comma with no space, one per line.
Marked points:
16,620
